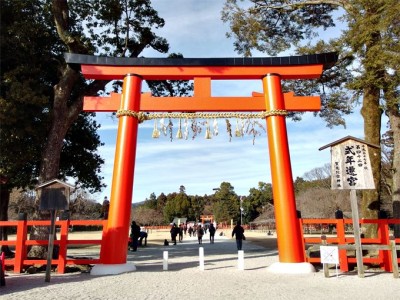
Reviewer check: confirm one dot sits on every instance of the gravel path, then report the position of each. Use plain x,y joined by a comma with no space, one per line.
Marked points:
220,279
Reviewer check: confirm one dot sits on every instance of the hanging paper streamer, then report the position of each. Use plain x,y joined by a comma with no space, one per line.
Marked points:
215,127
245,123
163,126
186,134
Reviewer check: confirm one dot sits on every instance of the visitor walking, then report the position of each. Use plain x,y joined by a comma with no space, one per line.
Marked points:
135,234
185,228
190,230
174,232
238,231
180,232
200,233
212,230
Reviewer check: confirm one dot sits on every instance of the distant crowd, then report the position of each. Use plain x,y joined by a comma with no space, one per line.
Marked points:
198,230
138,236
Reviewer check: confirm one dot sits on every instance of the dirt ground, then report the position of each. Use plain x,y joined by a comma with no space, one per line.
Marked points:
220,278
257,237
157,237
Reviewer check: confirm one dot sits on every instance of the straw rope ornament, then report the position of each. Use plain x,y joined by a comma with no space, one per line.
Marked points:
142,116
242,120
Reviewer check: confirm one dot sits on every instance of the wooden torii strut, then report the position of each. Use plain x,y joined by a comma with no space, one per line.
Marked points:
271,70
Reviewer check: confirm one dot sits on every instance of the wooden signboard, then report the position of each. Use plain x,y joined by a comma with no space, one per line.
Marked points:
351,167
351,170
53,195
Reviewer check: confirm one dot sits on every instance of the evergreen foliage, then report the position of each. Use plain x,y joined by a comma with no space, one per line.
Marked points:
368,66
44,134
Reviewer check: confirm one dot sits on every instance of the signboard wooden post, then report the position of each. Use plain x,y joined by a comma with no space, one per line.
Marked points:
351,170
53,195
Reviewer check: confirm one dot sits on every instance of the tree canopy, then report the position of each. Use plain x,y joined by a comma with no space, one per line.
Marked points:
44,133
369,41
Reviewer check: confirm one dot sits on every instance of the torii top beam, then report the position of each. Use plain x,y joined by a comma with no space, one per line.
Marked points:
202,70
288,67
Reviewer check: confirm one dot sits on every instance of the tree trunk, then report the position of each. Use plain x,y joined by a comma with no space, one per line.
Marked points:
66,109
371,112
62,118
394,119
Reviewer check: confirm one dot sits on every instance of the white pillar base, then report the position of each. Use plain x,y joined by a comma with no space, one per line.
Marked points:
112,269
291,268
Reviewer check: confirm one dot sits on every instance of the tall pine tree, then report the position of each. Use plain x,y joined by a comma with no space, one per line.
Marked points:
370,41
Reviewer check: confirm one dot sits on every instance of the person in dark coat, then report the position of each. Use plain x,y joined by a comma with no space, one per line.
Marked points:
174,232
105,208
190,230
143,236
238,231
338,213
212,230
180,232
135,235
200,233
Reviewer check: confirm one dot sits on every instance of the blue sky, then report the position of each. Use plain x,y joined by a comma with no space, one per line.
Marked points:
194,29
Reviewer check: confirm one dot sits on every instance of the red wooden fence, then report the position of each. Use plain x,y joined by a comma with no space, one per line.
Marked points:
339,237
21,243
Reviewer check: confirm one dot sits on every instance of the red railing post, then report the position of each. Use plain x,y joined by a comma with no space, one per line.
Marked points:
62,255
385,257
302,234
20,246
341,236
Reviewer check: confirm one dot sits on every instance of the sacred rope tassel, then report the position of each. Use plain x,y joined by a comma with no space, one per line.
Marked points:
208,131
156,132
215,127
179,134
237,130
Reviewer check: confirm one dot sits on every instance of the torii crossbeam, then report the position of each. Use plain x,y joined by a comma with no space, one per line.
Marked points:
271,70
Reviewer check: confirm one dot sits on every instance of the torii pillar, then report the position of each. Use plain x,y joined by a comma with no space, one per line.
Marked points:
114,246
273,101
290,243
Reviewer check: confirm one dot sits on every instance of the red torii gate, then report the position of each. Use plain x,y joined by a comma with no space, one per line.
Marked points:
132,102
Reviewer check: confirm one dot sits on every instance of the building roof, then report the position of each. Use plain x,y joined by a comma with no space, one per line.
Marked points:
326,59
349,137
52,182
179,220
